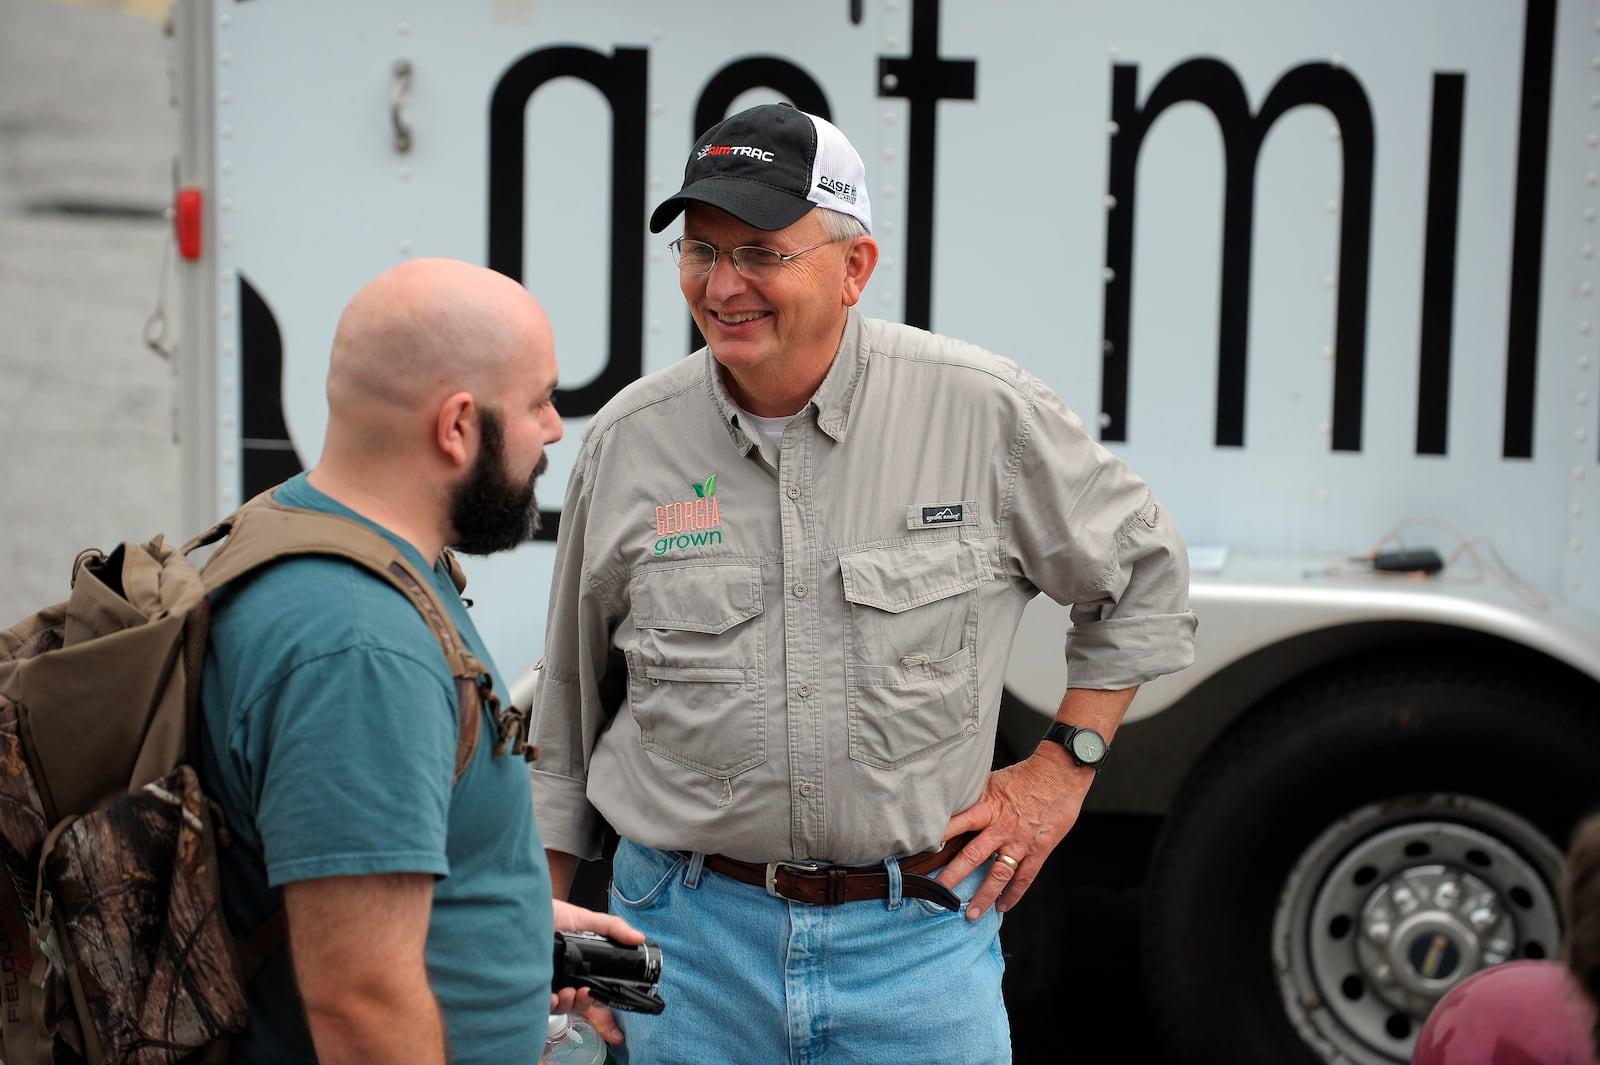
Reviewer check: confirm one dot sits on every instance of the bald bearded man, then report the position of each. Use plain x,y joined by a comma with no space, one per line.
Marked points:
419,915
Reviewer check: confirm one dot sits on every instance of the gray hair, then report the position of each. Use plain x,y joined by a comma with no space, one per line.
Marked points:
840,226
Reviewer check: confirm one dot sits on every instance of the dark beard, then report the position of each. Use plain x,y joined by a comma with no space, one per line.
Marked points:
489,512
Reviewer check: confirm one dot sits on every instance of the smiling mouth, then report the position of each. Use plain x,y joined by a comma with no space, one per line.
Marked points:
739,318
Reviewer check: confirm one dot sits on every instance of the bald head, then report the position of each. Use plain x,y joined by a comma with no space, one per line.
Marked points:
441,399
425,329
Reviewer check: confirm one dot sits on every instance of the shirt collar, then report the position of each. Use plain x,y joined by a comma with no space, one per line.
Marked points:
836,395
832,400
727,409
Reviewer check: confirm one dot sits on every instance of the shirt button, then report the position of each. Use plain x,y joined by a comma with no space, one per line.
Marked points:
804,690
806,789
794,491
799,591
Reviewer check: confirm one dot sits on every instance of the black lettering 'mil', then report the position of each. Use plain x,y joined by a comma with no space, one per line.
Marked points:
1215,85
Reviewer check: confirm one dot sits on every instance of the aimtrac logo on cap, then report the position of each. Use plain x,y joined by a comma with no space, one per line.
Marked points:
735,149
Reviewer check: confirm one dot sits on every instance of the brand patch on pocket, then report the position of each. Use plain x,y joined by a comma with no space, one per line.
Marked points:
933,515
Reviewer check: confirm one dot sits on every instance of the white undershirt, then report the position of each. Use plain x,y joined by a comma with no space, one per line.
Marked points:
771,428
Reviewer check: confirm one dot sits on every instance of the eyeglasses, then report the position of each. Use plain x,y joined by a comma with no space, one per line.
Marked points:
757,264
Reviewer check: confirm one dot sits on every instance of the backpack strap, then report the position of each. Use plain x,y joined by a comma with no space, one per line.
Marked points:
264,531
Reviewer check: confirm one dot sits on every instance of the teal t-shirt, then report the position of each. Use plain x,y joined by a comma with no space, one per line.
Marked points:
329,741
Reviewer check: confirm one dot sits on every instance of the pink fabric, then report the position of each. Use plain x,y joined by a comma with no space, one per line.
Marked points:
1518,1013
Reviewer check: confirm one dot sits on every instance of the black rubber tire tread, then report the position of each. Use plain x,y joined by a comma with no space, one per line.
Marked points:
1302,760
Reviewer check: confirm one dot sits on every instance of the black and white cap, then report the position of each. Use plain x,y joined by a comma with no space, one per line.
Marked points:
767,166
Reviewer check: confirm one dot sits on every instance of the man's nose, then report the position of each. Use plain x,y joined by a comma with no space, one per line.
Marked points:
724,277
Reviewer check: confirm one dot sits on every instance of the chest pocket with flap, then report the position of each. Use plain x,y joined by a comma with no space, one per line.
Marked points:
911,673
694,669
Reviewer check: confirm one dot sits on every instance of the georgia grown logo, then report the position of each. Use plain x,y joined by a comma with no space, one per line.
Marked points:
691,523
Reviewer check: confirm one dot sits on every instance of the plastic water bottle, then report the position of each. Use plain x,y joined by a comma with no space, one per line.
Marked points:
571,1040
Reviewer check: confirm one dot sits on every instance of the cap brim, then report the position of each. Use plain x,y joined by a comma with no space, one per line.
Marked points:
752,203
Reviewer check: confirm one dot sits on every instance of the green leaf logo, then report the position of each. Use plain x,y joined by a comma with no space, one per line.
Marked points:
707,488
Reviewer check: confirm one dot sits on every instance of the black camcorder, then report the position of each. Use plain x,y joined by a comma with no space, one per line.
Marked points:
624,978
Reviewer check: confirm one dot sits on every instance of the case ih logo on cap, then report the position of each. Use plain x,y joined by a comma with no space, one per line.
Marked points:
843,190
735,149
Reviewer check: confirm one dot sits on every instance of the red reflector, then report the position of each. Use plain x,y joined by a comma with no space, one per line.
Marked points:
186,222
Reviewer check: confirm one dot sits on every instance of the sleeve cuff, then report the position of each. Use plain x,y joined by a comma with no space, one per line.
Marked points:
1122,652
567,822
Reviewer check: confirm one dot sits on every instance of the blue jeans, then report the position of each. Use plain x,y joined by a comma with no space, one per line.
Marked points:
749,979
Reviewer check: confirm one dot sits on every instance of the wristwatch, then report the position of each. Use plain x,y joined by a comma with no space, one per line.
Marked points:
1086,746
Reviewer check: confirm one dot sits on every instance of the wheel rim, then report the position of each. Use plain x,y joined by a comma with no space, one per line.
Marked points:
1397,903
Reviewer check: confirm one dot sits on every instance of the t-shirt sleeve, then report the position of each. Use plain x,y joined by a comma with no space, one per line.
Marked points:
351,759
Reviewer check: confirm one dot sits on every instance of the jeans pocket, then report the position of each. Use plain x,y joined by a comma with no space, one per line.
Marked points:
640,875
963,891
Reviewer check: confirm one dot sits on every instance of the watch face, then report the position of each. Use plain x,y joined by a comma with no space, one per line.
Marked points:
1088,746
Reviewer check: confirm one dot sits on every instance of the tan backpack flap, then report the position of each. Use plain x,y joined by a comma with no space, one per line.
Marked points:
112,650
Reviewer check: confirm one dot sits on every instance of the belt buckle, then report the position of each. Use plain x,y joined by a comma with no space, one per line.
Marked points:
772,876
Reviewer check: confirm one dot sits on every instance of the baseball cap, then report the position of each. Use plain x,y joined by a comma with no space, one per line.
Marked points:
767,166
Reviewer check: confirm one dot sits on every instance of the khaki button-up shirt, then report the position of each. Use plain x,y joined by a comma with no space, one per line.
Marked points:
800,655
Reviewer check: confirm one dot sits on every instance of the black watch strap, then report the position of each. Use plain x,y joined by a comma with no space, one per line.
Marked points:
1063,733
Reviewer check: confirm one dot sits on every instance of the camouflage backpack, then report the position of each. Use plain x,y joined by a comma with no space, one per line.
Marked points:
113,945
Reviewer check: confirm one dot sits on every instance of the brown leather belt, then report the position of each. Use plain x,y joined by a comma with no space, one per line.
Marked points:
828,885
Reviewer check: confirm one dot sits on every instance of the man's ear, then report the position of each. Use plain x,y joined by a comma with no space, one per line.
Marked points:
859,262
456,430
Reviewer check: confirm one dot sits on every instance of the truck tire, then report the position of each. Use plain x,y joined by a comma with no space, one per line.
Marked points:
1348,852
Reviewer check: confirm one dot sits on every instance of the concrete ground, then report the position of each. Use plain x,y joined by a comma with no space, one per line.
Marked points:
87,137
